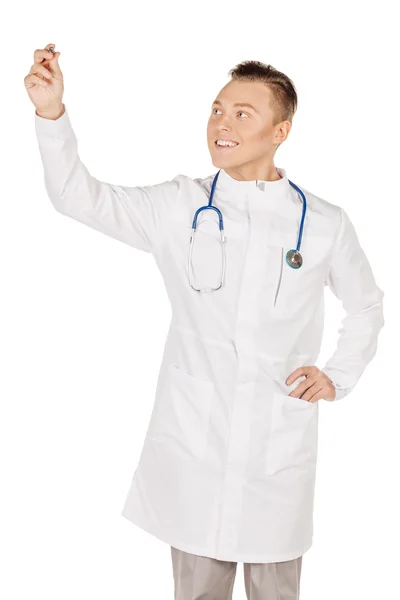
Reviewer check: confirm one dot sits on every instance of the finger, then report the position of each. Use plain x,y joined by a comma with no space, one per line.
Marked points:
314,392
33,79
53,65
40,70
317,396
297,373
298,391
302,387
42,54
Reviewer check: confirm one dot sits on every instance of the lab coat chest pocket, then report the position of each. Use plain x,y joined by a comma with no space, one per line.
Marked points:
293,436
182,417
295,287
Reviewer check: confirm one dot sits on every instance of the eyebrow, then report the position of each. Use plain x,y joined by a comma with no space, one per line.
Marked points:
237,104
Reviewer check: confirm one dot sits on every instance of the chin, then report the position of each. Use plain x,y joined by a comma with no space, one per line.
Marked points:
221,161
223,164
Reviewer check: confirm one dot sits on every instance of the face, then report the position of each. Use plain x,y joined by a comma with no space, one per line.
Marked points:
251,128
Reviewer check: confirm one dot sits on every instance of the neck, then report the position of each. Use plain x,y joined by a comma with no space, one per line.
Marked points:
251,173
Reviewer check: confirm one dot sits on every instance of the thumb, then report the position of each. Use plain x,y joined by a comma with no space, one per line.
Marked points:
53,64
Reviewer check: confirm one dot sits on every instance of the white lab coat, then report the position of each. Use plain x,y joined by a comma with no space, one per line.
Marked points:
228,464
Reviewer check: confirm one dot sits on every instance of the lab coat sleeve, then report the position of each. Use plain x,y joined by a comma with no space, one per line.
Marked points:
351,279
131,215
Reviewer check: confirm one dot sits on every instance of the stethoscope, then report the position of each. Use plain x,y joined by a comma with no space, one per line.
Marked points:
293,256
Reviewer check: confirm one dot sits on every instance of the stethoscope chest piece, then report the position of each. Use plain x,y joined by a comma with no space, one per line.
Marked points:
294,259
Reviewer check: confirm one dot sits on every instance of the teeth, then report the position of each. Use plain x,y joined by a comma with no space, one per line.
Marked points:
226,143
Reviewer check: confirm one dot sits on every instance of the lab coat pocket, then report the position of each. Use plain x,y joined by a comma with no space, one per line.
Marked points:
293,436
295,288
182,417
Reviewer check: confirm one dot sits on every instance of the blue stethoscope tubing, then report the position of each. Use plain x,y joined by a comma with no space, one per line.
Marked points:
293,256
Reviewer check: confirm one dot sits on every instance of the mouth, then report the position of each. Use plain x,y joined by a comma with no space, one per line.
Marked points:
226,148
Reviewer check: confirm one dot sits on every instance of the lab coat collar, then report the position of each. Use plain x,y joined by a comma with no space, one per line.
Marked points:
262,193
280,185
227,181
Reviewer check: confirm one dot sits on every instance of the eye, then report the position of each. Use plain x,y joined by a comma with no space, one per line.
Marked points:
240,112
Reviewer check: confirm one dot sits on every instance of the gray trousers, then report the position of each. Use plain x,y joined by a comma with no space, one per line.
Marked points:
204,578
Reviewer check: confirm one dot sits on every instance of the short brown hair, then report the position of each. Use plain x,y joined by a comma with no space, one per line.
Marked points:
282,87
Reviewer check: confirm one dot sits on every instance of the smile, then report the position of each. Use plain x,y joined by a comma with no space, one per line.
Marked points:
226,146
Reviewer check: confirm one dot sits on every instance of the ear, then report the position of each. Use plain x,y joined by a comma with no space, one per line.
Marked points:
283,131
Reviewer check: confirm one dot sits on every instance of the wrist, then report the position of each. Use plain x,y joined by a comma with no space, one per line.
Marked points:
53,114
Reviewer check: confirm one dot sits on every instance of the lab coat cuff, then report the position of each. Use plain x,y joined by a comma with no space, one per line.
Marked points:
53,127
341,392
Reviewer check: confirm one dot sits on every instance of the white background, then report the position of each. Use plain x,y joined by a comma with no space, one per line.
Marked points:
84,317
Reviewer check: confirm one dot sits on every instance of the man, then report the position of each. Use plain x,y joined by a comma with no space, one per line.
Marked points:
227,470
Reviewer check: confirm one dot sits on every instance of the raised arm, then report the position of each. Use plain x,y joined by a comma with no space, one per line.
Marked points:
130,214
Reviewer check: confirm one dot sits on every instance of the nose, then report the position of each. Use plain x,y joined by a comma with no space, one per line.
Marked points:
225,129
224,122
